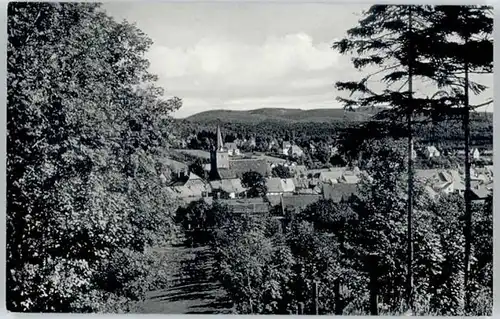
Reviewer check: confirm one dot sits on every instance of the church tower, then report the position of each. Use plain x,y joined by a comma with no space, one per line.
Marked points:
219,157
220,144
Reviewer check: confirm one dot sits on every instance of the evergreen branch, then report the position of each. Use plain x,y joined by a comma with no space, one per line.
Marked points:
482,104
402,86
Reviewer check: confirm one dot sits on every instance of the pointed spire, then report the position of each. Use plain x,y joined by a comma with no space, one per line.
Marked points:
219,139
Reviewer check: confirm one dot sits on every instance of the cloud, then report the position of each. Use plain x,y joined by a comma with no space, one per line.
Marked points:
238,63
221,71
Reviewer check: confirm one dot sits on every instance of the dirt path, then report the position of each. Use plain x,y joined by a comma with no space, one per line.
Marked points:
193,290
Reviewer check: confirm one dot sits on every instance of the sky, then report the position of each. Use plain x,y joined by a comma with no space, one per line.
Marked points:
242,56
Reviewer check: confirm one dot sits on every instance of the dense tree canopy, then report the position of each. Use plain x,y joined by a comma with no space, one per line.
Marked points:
255,183
84,127
327,245
281,171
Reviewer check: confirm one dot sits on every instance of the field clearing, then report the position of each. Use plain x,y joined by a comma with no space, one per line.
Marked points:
196,153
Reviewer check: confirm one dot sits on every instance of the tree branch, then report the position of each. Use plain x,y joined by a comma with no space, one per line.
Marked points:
482,104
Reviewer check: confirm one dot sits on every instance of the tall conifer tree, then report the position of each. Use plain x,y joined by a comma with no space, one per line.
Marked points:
466,48
385,40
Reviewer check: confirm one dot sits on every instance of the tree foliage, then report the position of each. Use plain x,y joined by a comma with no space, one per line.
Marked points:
255,182
84,119
281,171
328,243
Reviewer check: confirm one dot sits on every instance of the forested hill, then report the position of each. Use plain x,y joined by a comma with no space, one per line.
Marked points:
295,116
257,123
282,115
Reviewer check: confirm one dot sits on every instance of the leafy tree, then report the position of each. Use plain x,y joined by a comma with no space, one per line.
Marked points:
255,182
84,119
317,260
382,222
447,220
482,267
197,167
199,219
334,224
281,171
253,264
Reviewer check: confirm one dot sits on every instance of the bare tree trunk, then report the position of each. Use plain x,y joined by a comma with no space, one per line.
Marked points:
410,164
467,194
373,284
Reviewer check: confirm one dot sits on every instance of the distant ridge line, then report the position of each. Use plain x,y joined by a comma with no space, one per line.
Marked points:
284,114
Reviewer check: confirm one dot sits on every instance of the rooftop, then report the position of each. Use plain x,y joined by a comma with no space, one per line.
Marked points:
228,185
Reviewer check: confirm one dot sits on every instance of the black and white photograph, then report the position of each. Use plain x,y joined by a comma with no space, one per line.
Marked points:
249,158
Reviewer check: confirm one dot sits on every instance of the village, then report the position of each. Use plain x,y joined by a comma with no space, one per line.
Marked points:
249,158
222,178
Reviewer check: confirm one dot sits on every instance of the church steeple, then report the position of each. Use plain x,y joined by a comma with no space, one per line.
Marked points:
219,158
219,145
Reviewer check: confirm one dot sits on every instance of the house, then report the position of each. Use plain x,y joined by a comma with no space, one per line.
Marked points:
478,174
349,179
308,191
288,185
481,192
298,170
194,180
280,186
232,149
252,142
295,151
431,151
482,171
441,181
164,179
444,183
246,205
349,176
332,175
227,188
295,202
286,148
458,181
188,193
192,186
177,169
315,173
475,154
274,186
489,169
207,167
339,192
272,144
301,183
